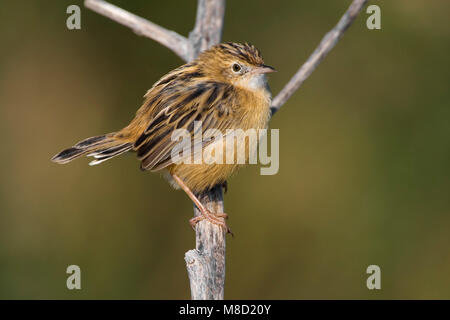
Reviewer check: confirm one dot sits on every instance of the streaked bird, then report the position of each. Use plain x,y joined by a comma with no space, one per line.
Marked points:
224,88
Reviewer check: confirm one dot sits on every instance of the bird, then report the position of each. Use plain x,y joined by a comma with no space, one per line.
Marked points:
224,88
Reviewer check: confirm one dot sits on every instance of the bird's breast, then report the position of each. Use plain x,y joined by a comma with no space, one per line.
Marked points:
254,108
251,110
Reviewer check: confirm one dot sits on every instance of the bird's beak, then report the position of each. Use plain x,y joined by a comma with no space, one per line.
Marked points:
265,69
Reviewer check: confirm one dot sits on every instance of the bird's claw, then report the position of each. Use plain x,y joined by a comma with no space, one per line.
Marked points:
217,219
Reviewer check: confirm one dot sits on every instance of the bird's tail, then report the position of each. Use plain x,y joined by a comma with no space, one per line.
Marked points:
101,148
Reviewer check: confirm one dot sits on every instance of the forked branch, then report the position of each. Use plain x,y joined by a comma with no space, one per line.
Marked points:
206,263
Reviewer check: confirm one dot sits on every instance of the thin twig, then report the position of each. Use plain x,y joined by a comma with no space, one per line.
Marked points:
206,263
325,46
170,39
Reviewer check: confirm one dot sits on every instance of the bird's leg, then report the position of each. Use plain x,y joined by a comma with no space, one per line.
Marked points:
206,214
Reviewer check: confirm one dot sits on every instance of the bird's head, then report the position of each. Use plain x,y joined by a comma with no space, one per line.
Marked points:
234,63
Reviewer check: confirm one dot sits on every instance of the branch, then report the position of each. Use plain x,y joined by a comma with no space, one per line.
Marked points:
206,263
208,25
170,39
325,46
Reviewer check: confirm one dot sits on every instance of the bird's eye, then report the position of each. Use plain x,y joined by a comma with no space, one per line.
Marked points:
236,67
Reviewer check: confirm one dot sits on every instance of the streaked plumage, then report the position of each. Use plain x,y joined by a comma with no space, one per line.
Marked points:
210,89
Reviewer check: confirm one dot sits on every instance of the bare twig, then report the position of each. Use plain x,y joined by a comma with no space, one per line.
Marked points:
206,263
325,46
170,39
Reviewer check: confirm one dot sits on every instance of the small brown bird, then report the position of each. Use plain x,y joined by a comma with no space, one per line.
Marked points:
224,88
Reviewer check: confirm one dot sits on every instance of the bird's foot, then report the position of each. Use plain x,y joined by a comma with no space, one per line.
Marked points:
217,219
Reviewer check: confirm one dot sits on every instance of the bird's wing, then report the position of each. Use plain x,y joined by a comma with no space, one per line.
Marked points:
178,108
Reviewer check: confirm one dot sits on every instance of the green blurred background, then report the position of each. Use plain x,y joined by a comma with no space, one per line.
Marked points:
364,157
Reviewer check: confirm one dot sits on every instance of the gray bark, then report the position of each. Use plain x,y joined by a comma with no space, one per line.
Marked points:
206,263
